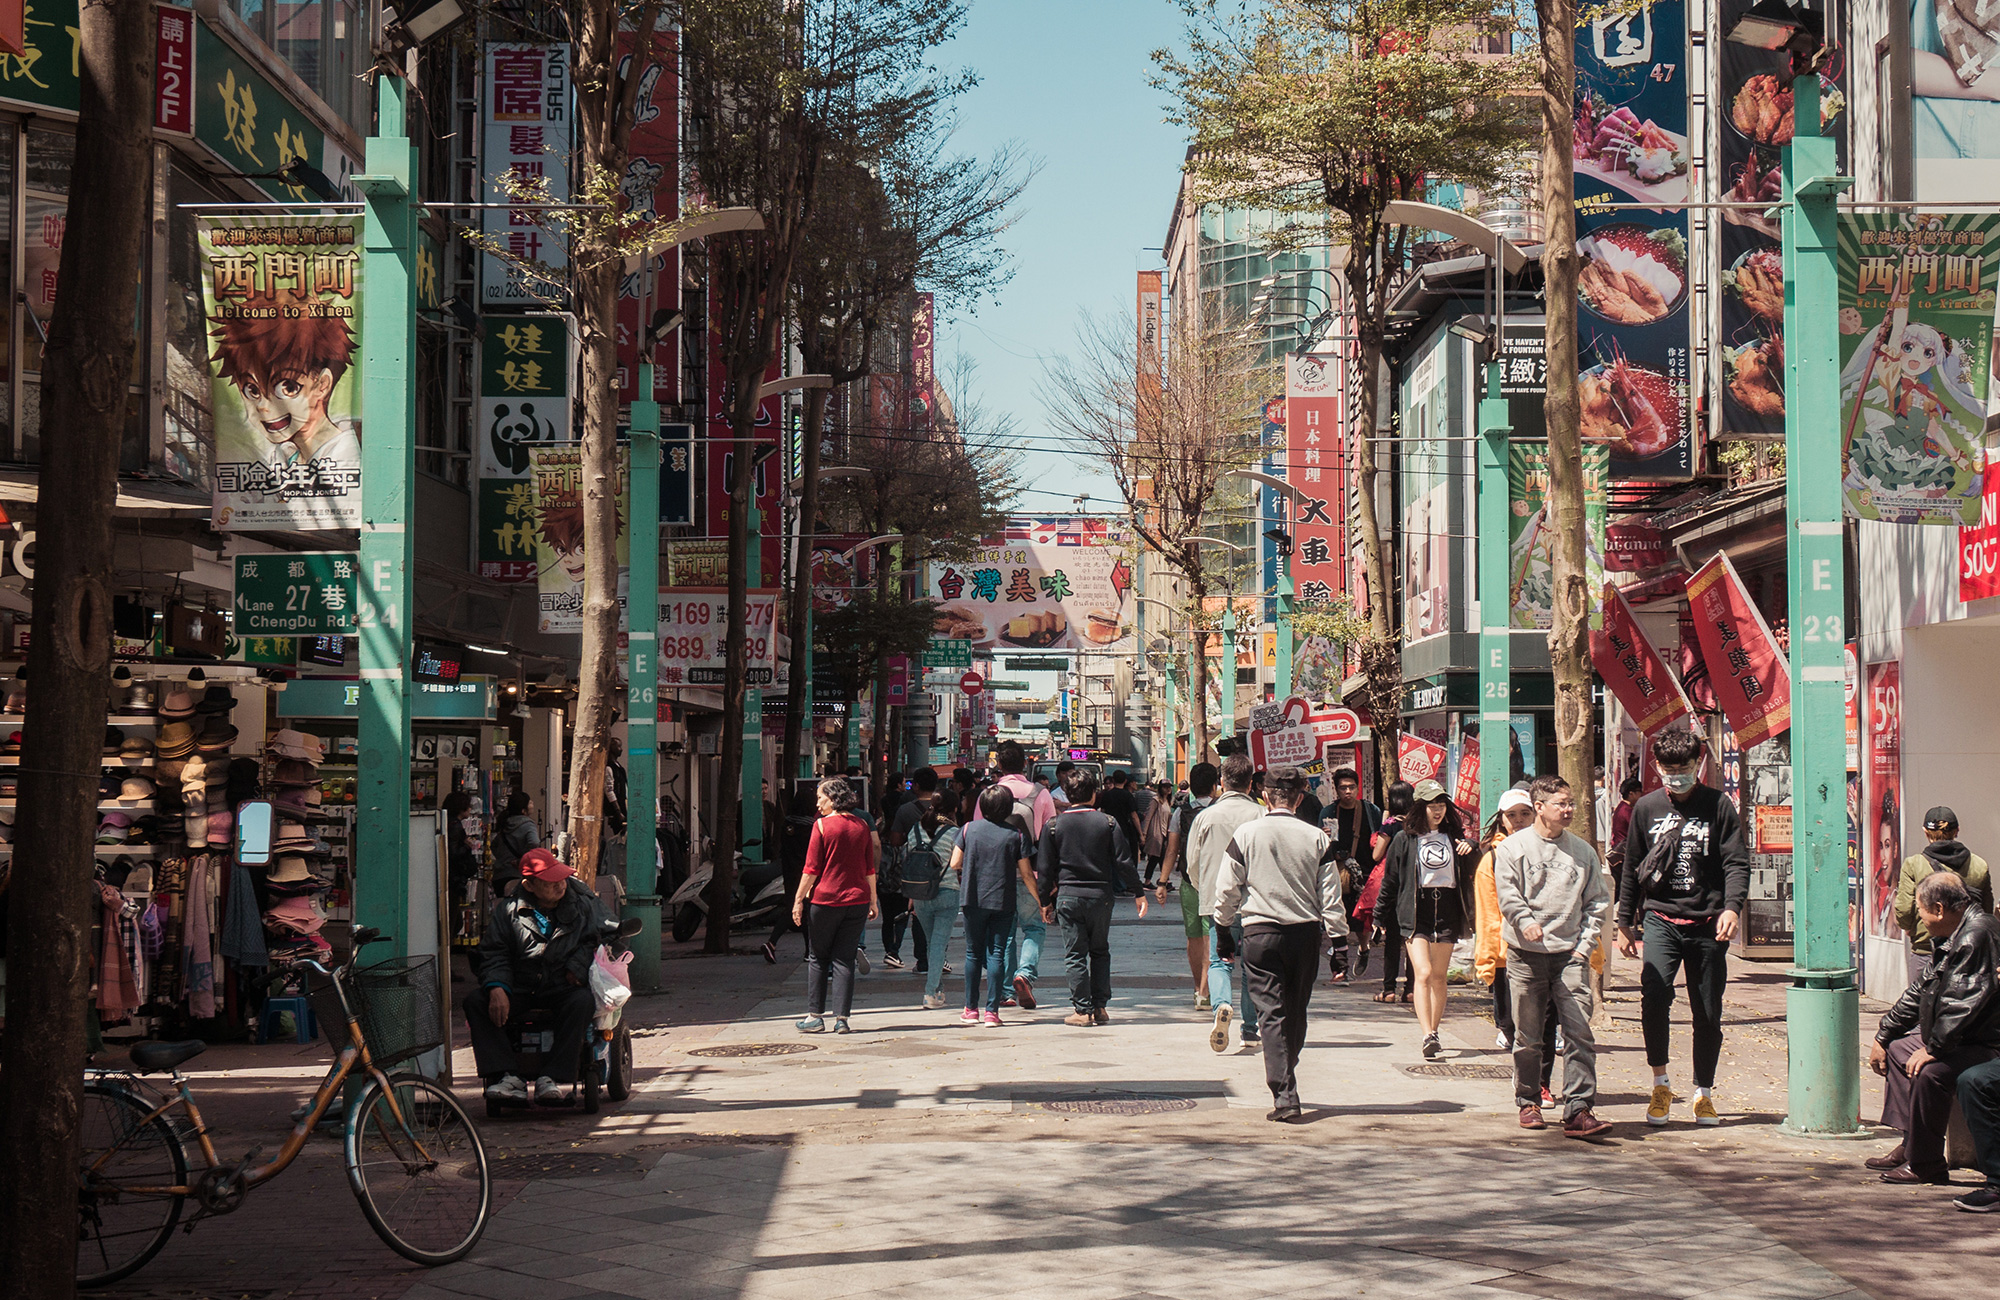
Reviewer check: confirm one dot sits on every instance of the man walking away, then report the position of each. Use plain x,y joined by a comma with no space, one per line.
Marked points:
1085,864
1115,801
1033,806
1942,852
1552,905
1276,883
1180,827
1687,897
1212,832
896,910
1944,1024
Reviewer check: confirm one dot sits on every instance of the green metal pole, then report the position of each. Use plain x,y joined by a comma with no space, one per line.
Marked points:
753,719
388,468
1495,634
642,782
802,657
1284,630
1823,1006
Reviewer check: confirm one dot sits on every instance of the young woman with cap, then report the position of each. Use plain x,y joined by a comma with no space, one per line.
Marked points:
1427,886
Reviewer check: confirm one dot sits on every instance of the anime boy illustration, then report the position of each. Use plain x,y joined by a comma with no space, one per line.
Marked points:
1915,420
561,530
285,367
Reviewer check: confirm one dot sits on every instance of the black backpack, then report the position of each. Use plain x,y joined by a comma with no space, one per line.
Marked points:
921,870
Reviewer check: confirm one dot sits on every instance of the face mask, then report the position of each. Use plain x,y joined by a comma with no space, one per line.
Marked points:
1679,783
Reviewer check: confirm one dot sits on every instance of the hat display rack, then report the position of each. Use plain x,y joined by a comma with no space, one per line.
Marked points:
308,882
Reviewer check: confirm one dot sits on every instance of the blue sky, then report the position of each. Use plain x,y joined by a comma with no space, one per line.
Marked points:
1067,80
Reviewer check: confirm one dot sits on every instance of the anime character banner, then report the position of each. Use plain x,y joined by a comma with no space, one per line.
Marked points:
1916,329
283,294
556,488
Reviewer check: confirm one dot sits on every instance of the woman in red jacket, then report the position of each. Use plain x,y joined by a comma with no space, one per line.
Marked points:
835,902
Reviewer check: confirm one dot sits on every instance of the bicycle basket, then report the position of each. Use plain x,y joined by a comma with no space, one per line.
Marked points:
397,1004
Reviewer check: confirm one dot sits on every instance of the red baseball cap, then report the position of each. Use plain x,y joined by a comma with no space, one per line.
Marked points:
540,864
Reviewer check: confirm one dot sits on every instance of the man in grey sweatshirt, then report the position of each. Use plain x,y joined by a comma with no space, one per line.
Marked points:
1273,879
1553,899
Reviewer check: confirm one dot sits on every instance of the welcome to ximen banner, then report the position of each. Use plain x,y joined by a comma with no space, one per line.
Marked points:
555,476
283,294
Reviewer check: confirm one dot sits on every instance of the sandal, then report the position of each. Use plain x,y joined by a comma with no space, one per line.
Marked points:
1405,998
1385,997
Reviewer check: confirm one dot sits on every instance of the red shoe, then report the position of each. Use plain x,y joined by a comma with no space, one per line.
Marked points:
1547,1100
1585,1125
1024,993
1531,1117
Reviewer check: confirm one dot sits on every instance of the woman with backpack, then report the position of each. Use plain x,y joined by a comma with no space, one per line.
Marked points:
515,835
931,888
990,861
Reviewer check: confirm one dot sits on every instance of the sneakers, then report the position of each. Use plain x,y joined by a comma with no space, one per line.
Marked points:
1585,1125
969,1016
890,961
1100,1016
861,963
1201,1002
548,1092
933,1001
812,1025
1024,993
1547,1100
990,1019
1218,1037
507,1088
840,1025
1432,1047
1531,1117
1502,1043
1704,1111
1983,1201
770,953
1249,1039
1660,1105
1079,1019
1285,1113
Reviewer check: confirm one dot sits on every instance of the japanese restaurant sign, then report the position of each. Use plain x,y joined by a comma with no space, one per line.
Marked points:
1748,672
1633,670
1313,466
526,116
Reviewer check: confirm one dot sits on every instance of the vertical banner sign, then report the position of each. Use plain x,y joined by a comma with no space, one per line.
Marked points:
1314,468
1633,670
650,188
677,475
722,451
1753,95
173,72
1631,146
1882,814
284,307
1531,572
1270,505
1916,333
527,140
1751,679
923,362
1979,544
1150,354
555,484
523,405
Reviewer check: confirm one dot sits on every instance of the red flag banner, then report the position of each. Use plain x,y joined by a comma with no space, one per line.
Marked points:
1419,759
1633,670
1751,678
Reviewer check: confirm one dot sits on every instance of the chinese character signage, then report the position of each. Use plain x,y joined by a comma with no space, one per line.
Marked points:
694,629
1633,670
1531,572
43,74
284,312
677,475
923,362
295,593
1047,585
527,141
556,496
1631,146
1314,469
1748,672
651,188
1916,331
245,122
173,71
523,404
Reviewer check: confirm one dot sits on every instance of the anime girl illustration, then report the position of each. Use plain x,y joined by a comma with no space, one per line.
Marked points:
1912,438
285,364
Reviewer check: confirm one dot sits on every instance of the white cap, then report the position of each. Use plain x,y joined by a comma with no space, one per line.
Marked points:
1515,799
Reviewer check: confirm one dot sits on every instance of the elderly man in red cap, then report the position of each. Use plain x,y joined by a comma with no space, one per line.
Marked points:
536,953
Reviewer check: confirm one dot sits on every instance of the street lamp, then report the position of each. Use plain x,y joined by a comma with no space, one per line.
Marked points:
1823,1006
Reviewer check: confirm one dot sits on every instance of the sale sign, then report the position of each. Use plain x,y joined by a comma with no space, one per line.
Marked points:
1418,759
694,629
1752,681
1633,670
1882,809
1979,544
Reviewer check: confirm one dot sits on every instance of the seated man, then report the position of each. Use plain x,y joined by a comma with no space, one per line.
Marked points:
1946,1023
536,953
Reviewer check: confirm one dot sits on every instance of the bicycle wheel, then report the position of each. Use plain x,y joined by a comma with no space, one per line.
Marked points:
119,1230
422,1180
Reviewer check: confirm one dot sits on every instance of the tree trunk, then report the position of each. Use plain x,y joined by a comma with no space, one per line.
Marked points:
1381,654
798,700
1569,632
1198,669
86,370
736,689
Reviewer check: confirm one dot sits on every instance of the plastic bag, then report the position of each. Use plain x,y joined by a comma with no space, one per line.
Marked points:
610,983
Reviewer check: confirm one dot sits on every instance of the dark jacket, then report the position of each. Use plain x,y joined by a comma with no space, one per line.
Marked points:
1368,819
529,953
1712,873
1399,881
514,836
1956,1001
1084,852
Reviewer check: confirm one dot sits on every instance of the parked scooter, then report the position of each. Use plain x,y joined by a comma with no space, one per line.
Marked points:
605,1068
759,892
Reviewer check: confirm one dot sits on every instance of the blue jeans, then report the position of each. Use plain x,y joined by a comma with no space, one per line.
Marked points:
934,917
1024,950
985,951
1219,967
1086,928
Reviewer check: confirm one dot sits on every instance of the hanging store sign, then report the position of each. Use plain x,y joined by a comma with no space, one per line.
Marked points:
694,631
677,475
1916,332
297,593
1314,468
1979,545
1418,759
1047,585
556,500
650,189
526,111
1748,672
173,71
523,404
1633,670
283,294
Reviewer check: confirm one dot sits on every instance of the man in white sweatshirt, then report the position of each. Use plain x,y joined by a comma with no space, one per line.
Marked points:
1553,900
1273,879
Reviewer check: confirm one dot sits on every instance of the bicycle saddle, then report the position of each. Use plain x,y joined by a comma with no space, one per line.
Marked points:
147,1057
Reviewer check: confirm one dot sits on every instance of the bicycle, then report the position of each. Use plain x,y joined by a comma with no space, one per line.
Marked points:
414,1160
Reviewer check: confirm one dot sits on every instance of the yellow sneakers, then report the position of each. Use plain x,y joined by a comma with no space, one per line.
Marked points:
1704,1111
1663,1101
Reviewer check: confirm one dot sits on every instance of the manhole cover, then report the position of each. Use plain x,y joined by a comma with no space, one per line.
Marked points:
753,1049
563,1164
1447,1071
1118,1104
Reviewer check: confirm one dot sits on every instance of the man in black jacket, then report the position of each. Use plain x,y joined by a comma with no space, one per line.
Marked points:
1085,862
1687,907
1944,1024
536,953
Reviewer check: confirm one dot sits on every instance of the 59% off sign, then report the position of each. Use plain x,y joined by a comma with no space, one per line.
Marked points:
694,632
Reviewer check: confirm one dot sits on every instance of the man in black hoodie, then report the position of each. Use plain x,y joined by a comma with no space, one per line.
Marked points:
1686,904
1084,863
